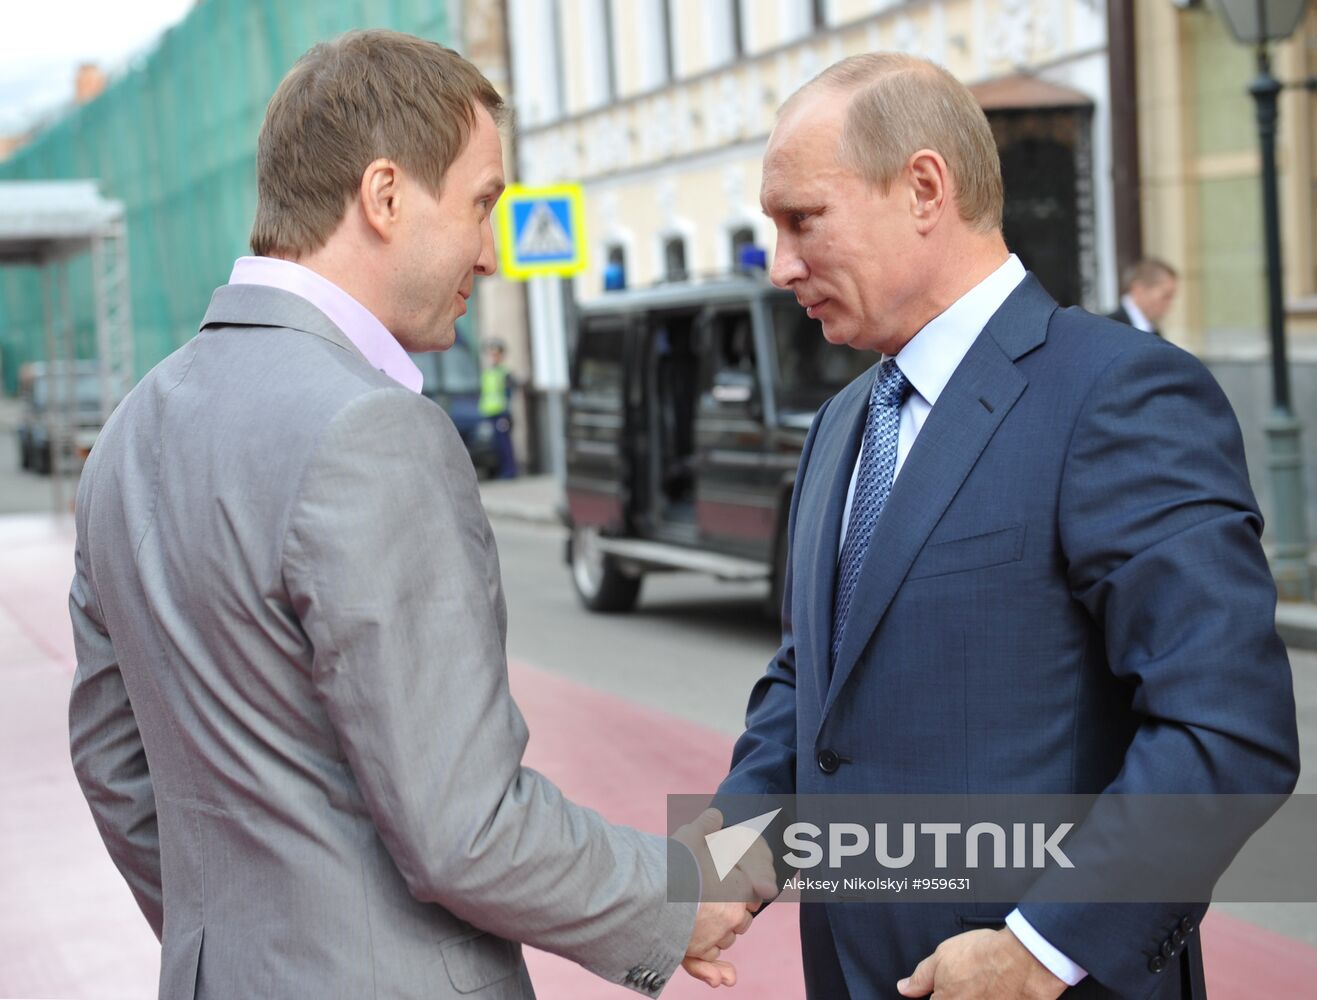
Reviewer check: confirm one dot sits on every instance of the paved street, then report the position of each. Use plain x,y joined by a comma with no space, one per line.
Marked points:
22,492
622,711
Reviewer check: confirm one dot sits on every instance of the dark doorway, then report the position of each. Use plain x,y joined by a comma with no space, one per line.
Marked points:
1046,162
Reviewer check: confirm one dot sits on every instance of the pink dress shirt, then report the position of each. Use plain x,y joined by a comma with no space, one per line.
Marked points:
358,324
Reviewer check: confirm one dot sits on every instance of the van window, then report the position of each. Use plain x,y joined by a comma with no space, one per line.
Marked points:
809,369
599,361
86,389
733,379
453,372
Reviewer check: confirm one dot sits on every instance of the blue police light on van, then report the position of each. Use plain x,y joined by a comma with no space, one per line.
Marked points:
752,258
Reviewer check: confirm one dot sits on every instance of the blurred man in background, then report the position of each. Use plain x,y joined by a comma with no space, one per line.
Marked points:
1148,288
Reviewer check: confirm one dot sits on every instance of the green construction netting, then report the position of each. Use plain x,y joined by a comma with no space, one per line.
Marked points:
174,138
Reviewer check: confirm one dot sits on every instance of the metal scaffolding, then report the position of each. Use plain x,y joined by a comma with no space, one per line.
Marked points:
46,224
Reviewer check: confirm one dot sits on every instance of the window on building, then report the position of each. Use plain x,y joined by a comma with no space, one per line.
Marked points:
666,33
614,267
610,51
557,57
598,44
674,259
741,237
802,17
537,56
738,29
725,31
658,61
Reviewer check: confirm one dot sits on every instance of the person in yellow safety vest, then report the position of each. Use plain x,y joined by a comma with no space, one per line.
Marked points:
496,387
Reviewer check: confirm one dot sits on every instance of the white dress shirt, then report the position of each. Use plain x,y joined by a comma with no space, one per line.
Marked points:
1137,319
928,361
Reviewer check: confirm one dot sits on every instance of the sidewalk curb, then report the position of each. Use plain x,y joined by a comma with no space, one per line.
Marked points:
513,510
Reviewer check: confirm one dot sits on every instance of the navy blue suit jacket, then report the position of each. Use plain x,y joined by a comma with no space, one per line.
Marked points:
1066,593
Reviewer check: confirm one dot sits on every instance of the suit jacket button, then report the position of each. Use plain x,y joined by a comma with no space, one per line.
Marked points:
828,761
1187,925
659,983
1156,964
1168,949
1177,938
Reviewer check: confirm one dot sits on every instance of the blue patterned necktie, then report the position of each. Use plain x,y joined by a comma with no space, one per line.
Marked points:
872,486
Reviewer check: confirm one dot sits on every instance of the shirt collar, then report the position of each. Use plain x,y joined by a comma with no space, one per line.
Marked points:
1137,319
933,354
359,325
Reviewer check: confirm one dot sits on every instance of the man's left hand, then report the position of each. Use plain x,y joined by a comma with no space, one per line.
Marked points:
982,965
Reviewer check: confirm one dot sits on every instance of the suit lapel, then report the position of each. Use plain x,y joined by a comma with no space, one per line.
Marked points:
982,391
835,452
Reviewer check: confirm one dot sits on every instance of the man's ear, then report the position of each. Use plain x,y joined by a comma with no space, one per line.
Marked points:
379,195
929,188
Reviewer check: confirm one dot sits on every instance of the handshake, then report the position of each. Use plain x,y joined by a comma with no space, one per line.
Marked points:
977,963
718,924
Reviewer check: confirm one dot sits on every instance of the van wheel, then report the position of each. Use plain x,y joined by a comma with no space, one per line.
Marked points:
600,583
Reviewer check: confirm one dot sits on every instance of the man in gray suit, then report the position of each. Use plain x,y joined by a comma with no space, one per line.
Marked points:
291,714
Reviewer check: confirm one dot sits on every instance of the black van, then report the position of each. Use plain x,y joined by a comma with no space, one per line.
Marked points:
689,405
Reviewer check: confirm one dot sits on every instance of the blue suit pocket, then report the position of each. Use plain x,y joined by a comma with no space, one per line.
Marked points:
962,554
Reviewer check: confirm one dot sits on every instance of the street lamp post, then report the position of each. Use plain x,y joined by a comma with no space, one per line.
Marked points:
1258,23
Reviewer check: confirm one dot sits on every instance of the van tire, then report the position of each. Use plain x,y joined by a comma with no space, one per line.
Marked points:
600,582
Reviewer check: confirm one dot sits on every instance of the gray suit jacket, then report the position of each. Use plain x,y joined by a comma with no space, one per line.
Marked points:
291,714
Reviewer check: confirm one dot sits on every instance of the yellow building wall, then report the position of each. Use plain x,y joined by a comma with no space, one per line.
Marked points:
1201,193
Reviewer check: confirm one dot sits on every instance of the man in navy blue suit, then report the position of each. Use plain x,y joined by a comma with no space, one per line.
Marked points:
1024,555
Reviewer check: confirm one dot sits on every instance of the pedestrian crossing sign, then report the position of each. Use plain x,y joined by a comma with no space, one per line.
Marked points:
542,231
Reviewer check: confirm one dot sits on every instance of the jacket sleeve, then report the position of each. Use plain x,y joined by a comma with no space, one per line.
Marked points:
1161,534
392,570
108,757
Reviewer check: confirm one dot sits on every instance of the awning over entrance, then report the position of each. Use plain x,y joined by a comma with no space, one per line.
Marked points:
1022,91
44,220
44,224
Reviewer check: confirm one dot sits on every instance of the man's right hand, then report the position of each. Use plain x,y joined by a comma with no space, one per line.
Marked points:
718,924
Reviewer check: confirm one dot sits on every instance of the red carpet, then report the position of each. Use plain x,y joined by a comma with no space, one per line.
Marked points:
69,928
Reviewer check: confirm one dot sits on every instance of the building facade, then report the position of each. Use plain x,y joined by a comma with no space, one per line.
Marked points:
173,136
1125,128
1200,193
661,108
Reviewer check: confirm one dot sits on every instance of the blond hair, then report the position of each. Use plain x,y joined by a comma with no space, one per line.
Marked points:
346,103
1146,271
900,104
